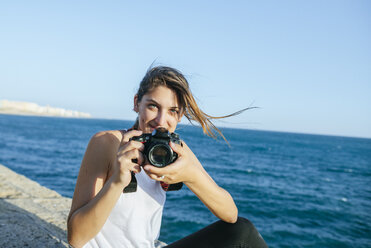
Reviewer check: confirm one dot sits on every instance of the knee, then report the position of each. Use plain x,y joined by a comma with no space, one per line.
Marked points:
246,231
243,224
241,232
242,227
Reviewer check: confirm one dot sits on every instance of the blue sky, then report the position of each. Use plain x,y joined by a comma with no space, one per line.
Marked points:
305,64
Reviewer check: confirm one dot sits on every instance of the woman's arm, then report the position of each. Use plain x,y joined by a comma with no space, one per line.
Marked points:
96,192
189,170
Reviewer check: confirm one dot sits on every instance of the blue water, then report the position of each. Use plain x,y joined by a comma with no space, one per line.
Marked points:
299,190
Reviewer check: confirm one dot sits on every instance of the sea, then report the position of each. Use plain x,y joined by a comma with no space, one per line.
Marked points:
299,190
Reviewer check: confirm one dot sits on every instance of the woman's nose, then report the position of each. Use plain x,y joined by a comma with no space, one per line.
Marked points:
161,118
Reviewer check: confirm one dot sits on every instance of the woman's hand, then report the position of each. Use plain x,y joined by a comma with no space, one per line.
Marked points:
182,170
189,170
128,159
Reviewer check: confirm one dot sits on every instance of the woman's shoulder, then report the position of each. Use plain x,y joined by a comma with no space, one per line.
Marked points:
109,134
107,139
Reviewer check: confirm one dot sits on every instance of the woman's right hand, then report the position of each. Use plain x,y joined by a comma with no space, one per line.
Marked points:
129,157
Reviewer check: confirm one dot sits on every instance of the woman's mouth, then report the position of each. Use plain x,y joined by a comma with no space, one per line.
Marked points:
152,128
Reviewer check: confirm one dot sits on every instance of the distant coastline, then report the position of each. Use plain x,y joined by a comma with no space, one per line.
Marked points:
29,108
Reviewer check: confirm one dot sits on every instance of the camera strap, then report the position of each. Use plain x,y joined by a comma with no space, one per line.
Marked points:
132,186
171,187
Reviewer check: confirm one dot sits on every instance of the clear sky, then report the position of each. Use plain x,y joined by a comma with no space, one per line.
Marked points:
305,64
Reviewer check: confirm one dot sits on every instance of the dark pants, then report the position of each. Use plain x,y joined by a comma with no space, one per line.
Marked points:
224,235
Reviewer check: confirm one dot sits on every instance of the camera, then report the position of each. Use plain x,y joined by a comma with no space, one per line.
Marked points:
158,153
156,146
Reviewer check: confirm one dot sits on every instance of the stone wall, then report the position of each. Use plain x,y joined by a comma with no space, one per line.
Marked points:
31,215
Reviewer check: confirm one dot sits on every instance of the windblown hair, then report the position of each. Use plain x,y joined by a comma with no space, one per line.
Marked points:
174,80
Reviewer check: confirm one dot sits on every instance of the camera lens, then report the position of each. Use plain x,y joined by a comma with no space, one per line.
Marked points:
160,155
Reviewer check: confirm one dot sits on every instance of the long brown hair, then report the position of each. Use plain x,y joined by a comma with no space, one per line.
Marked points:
174,80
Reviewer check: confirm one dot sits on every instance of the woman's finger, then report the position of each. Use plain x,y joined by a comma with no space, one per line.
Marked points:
156,177
140,158
131,145
178,148
133,155
135,168
128,135
158,172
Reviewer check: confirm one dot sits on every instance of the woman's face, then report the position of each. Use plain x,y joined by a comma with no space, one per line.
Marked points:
158,108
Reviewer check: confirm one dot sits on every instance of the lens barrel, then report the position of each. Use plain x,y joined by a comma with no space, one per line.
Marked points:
160,155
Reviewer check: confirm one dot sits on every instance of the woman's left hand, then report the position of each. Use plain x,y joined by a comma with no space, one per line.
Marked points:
189,170
182,170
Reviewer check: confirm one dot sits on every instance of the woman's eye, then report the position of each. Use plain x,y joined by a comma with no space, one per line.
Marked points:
174,111
152,106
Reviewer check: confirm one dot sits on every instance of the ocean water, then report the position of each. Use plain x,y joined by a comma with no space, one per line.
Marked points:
299,190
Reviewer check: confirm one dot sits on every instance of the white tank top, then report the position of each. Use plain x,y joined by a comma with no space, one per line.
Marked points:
135,220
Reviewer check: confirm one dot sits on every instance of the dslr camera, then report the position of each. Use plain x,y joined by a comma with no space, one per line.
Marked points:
158,152
156,146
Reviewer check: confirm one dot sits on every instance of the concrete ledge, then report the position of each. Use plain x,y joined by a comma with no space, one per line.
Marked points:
30,214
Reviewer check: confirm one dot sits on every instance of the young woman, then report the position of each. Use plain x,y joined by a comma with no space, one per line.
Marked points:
103,216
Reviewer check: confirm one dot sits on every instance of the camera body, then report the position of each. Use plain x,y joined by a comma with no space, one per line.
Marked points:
158,153
156,146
